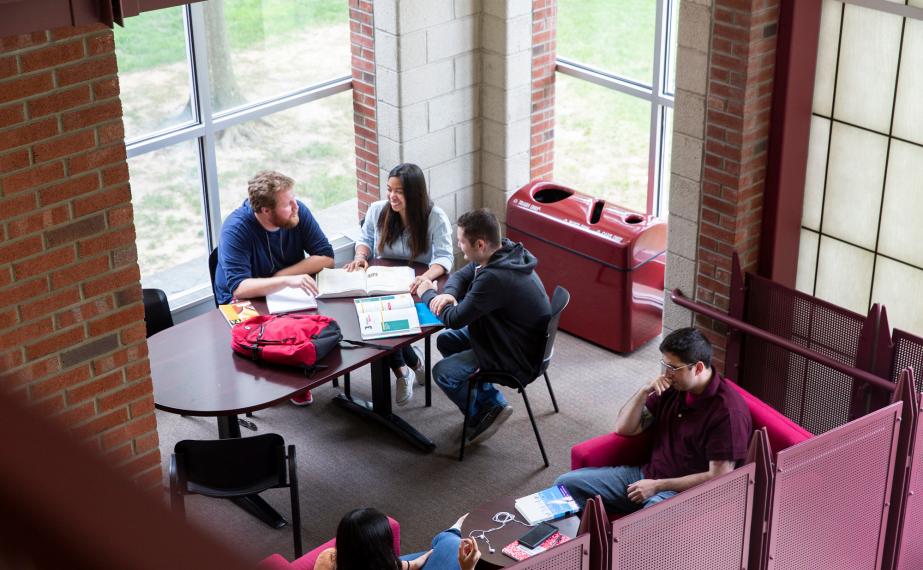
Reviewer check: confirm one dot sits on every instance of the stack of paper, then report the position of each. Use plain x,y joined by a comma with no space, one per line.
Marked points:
290,299
550,504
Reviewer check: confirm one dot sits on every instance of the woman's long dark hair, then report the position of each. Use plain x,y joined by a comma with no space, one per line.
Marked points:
418,207
365,542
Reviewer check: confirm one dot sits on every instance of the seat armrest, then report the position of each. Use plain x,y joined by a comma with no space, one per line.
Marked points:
611,449
275,562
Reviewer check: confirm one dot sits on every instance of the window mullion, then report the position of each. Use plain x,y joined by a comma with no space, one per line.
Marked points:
203,102
655,152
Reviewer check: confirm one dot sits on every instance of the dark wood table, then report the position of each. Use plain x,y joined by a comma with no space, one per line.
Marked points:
481,519
195,373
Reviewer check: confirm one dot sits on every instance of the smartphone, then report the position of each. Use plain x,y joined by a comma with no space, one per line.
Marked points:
537,535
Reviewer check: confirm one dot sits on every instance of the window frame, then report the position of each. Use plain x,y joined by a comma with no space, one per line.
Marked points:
656,94
205,126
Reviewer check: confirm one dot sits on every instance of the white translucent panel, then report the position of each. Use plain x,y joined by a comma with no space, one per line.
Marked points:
918,3
899,288
807,262
827,47
908,110
867,68
814,177
901,231
844,275
854,180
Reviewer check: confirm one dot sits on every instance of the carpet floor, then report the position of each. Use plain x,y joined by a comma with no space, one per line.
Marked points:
346,462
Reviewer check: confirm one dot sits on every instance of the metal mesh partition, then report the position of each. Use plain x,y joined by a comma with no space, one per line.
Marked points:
572,555
910,555
811,394
908,351
830,503
706,527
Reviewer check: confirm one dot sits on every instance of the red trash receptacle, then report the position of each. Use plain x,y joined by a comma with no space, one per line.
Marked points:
611,259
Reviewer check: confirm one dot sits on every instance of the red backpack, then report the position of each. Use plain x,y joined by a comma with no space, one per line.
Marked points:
295,340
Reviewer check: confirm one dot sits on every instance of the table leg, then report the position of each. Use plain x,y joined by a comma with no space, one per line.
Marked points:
379,408
253,504
428,375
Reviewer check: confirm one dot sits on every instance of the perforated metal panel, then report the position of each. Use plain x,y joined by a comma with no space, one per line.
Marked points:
908,351
572,555
910,553
829,505
812,395
706,527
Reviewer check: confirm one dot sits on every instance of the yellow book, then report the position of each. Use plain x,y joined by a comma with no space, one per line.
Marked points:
238,312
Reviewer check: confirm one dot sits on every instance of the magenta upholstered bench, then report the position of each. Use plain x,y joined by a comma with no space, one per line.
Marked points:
306,562
614,449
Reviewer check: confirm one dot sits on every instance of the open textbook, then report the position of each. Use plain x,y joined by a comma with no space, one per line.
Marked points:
290,299
384,317
375,280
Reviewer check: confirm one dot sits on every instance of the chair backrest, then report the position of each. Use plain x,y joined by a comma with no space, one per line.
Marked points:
212,267
227,466
782,431
157,314
559,301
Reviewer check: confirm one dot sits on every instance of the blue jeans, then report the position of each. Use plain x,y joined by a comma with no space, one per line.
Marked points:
610,483
457,365
445,551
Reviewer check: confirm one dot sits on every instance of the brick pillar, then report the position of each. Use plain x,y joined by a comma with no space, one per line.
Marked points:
543,53
365,118
72,334
737,117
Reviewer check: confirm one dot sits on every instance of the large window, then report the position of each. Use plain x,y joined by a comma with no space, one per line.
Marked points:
614,99
215,91
860,228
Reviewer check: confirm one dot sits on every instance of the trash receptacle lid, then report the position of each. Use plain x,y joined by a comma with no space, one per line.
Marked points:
609,234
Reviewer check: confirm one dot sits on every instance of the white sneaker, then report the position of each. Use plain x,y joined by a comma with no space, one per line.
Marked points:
420,369
404,388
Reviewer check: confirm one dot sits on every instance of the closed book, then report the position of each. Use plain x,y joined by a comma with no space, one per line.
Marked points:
238,312
547,505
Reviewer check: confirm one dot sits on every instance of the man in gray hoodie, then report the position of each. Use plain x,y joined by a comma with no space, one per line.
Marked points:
497,310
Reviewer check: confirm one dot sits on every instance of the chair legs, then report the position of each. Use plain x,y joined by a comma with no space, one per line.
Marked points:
534,426
296,508
461,450
551,393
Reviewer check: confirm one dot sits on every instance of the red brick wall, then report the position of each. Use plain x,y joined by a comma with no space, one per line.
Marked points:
72,334
543,54
739,101
362,44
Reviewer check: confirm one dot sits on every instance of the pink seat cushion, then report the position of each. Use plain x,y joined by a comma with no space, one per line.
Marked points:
306,562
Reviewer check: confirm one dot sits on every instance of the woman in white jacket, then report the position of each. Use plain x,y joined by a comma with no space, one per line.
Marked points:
406,226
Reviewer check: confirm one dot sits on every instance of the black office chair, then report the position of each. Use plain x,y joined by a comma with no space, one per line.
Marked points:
157,315
232,468
558,302
212,266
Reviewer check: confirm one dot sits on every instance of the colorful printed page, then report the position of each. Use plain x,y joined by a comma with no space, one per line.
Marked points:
387,316
238,312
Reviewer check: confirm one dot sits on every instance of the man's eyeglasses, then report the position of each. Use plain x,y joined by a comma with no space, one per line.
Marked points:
670,369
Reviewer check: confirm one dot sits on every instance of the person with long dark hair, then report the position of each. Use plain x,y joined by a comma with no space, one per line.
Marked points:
365,542
406,226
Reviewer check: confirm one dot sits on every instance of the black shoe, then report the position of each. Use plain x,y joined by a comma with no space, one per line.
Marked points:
489,423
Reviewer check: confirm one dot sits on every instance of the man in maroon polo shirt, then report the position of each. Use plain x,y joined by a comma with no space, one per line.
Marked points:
701,429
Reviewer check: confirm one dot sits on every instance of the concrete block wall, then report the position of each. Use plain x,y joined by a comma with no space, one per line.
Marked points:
506,100
428,64
695,23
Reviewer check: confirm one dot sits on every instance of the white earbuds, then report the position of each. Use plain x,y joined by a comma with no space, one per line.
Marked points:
502,518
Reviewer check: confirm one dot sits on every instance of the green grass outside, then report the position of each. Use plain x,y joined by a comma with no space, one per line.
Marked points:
614,35
158,37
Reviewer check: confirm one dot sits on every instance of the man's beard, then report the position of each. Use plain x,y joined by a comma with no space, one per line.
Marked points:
283,223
